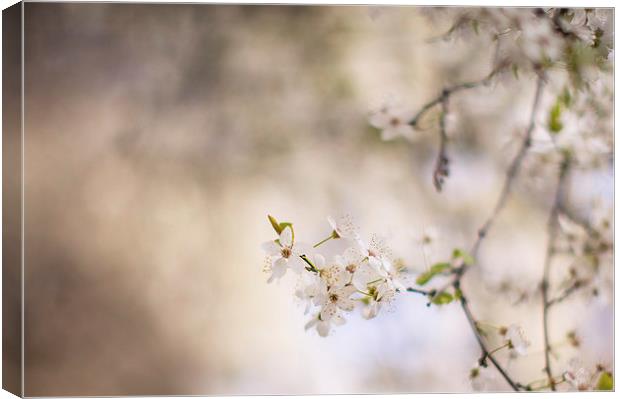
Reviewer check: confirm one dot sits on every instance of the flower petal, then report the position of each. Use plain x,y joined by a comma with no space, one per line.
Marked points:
271,247
286,237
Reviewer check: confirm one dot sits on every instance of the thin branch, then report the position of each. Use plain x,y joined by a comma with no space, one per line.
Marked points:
552,229
419,291
511,174
512,171
510,177
448,91
578,284
442,169
486,354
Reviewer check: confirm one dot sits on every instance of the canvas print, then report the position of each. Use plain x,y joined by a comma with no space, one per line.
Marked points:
298,199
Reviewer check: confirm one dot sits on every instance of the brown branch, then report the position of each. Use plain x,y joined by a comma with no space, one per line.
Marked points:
552,229
486,354
448,91
501,202
442,169
575,286
511,175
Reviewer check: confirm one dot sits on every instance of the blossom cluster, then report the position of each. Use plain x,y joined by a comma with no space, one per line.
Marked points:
364,276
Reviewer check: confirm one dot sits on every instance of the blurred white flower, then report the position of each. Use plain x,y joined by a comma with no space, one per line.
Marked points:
344,227
578,375
539,41
284,255
517,340
393,122
323,327
481,378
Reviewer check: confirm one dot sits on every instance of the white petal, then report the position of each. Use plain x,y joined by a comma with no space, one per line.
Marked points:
389,133
319,261
346,304
271,247
329,310
278,269
380,120
286,237
296,264
338,320
311,323
323,328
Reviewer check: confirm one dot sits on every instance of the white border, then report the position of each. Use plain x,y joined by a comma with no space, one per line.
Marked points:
486,3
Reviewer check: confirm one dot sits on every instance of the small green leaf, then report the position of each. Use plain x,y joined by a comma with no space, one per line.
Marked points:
284,225
458,294
555,122
466,257
515,71
442,298
432,272
475,25
605,382
275,224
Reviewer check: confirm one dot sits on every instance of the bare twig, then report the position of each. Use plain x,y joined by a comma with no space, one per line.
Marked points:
552,228
448,91
486,354
510,177
441,170
511,174
442,164
576,285
419,291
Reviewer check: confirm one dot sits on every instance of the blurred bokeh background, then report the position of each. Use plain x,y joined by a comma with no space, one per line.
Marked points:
158,138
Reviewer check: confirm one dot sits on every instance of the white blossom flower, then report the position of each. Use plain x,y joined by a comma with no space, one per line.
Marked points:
380,295
323,327
335,274
481,378
393,122
334,300
517,340
311,290
539,41
578,375
344,227
284,255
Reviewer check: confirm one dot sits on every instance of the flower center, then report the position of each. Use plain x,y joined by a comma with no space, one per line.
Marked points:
394,122
333,297
286,252
351,268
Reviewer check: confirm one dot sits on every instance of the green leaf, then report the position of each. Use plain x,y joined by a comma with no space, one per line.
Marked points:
432,272
475,25
605,382
555,122
442,298
465,256
458,294
515,71
284,225
275,224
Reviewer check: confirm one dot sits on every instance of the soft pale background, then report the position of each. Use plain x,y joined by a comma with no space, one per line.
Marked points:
158,138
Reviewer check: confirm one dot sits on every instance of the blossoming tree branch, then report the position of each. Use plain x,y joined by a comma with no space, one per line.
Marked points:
563,53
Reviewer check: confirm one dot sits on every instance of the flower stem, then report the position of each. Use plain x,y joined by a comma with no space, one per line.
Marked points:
323,241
